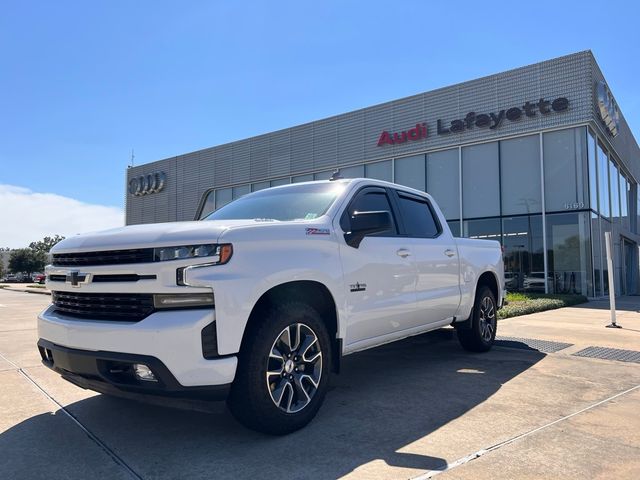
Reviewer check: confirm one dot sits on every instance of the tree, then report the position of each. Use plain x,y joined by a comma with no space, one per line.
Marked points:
46,244
27,260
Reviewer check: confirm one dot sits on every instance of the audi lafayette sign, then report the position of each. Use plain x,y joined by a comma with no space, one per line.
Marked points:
147,184
492,120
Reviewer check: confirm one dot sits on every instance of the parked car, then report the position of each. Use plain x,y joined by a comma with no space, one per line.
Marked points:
39,278
259,302
10,278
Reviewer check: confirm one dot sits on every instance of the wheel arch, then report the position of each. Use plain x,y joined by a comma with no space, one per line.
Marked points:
311,292
489,279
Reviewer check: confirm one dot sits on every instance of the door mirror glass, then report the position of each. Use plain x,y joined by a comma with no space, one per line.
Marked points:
367,223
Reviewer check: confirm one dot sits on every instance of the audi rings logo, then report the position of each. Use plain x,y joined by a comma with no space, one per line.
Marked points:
146,184
608,108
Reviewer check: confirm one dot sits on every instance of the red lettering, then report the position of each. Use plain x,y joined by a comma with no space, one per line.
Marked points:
385,138
400,137
419,132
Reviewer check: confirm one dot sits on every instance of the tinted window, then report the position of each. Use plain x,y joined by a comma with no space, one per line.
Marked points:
418,218
369,201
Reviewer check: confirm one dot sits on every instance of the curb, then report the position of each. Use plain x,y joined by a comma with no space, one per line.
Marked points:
27,290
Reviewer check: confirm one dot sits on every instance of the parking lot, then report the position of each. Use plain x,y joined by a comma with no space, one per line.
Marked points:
416,408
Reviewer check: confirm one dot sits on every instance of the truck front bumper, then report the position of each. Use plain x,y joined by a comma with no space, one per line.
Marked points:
114,373
170,340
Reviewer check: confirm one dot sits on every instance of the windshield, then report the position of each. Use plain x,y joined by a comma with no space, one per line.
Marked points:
295,202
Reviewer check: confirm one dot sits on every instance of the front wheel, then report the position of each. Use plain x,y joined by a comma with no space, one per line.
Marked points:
484,322
283,370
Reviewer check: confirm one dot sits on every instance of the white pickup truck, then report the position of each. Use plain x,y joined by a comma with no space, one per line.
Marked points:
258,302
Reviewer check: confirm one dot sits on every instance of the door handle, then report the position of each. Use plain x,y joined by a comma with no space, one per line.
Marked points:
403,252
449,253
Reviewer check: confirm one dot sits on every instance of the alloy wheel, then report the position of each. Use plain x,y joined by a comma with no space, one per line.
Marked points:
487,319
294,368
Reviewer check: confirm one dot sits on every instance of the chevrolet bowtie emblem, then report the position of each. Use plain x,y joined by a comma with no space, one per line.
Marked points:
75,278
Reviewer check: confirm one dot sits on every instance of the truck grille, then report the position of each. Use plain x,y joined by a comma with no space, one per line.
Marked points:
111,257
119,307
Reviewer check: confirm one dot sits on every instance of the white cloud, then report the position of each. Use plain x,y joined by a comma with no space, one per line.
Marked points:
26,216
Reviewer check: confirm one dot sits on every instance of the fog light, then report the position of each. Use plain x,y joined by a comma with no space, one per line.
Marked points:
144,373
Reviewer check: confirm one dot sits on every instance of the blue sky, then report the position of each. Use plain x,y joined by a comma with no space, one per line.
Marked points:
83,83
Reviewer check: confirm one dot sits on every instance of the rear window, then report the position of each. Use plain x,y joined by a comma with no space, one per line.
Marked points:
419,220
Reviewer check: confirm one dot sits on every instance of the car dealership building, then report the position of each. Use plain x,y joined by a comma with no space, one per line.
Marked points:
539,158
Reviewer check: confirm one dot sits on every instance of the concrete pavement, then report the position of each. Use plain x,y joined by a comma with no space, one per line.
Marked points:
414,408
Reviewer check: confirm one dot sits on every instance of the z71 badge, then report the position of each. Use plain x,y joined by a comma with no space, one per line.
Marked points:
317,231
358,287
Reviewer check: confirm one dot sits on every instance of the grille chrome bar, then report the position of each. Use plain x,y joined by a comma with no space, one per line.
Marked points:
110,257
118,277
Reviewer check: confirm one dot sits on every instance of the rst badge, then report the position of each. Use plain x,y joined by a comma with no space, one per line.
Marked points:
317,231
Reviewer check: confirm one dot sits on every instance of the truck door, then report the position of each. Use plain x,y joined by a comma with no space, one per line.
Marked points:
435,256
379,278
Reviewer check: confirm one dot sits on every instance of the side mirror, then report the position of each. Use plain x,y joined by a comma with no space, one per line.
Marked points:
367,223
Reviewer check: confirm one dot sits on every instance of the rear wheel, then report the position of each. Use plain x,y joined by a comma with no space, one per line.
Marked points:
484,321
283,370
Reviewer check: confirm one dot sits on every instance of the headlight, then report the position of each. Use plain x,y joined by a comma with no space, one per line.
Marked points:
223,252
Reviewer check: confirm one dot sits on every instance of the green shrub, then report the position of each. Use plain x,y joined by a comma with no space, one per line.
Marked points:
526,303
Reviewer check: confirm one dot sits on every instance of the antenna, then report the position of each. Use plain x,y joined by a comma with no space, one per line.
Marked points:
132,158
336,175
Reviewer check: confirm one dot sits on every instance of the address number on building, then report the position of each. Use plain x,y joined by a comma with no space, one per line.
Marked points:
573,205
146,184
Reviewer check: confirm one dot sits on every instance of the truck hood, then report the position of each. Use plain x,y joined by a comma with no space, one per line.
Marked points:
149,235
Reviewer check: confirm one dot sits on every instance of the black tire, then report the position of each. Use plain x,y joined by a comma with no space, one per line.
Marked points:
484,322
252,399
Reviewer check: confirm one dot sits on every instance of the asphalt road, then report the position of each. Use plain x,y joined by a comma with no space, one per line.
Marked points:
416,408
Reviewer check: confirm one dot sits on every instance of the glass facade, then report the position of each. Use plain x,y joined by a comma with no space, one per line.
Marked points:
563,180
523,253
443,181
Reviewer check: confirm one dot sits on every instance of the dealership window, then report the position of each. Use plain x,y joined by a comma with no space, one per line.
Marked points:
593,172
454,226
443,181
356,171
519,160
624,201
302,178
523,253
565,169
280,181
209,204
223,196
569,252
605,226
480,181
410,171
323,175
596,249
637,201
486,228
614,188
260,186
240,191
603,181
379,170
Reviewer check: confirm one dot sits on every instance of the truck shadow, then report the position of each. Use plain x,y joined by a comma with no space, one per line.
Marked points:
384,400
